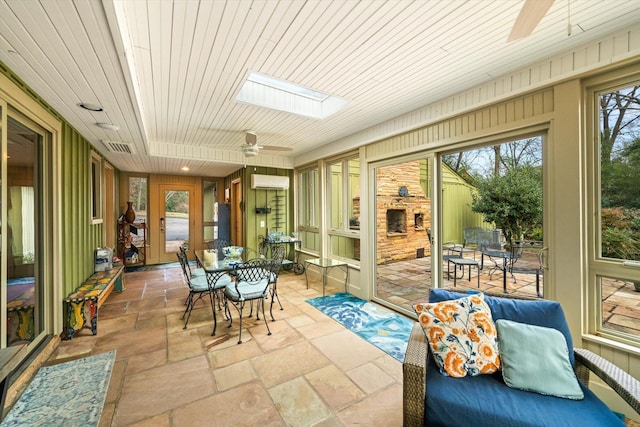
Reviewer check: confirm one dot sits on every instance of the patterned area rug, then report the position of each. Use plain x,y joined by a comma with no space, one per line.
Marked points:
66,394
386,329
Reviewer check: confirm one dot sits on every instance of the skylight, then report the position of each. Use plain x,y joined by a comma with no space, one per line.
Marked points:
269,92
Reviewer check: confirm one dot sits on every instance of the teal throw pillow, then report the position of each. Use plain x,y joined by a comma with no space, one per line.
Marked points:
535,358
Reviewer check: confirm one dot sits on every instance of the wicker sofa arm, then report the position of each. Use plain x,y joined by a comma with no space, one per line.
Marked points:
414,374
621,382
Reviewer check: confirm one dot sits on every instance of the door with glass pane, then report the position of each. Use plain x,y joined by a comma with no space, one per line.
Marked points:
22,227
403,215
175,220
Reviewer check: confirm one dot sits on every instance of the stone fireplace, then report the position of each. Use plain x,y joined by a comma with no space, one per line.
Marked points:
403,213
396,221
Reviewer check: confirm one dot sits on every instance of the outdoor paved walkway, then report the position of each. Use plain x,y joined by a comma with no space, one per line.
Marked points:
407,282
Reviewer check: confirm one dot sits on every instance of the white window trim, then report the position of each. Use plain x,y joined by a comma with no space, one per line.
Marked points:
343,230
598,266
96,199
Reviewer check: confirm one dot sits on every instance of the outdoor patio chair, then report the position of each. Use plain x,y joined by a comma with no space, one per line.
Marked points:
431,398
218,244
197,287
195,272
251,284
277,257
533,266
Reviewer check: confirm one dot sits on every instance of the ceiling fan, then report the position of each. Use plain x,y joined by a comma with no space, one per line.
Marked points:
530,16
250,148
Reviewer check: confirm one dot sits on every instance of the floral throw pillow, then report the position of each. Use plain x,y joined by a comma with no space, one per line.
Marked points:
462,335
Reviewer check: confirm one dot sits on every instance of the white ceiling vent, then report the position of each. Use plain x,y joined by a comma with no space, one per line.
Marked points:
119,147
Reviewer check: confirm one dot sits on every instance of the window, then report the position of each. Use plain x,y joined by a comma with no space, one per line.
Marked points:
309,209
209,198
138,196
96,188
343,197
615,262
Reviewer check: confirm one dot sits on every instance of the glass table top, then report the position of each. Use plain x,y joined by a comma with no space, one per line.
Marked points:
326,262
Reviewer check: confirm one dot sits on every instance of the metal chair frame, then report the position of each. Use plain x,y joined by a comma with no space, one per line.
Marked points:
277,256
251,284
196,287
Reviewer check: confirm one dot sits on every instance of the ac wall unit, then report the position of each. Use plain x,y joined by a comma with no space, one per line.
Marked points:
271,182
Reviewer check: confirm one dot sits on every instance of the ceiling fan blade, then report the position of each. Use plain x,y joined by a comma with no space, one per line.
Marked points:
530,16
250,137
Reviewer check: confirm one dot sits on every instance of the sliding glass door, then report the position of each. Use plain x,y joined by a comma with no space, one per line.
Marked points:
403,208
22,229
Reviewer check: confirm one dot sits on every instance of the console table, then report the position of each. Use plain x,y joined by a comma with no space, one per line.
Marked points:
326,264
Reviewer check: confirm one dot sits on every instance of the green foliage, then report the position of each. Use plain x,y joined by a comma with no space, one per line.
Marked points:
621,233
138,193
513,201
177,201
620,180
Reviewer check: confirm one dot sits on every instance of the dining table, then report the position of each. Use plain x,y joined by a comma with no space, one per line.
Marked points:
214,269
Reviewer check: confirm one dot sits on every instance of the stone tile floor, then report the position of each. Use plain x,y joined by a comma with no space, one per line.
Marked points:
310,372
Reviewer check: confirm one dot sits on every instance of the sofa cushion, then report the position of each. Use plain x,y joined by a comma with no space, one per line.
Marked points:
461,335
534,312
485,400
536,358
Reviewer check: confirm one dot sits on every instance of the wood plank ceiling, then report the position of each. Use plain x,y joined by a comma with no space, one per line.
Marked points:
167,72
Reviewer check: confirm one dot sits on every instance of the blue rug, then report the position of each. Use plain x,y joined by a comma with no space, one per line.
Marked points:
66,394
386,329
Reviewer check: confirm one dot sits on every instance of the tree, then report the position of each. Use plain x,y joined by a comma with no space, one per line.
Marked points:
513,201
619,112
620,179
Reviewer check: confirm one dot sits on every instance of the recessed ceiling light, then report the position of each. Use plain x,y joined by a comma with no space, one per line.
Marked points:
90,107
108,126
185,168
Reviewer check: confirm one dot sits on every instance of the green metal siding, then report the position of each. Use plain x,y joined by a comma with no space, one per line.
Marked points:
456,207
260,198
80,237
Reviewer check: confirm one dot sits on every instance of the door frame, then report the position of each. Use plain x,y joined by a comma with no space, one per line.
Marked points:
435,181
237,225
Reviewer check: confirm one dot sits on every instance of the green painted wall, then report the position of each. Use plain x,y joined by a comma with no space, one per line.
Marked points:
456,207
79,237
280,221
280,201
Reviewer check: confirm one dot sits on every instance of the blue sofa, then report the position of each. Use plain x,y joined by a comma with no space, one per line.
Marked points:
433,399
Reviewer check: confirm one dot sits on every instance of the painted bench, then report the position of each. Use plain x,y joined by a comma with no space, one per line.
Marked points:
81,306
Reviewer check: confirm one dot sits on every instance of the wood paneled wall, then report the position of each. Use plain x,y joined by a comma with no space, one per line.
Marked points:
469,126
